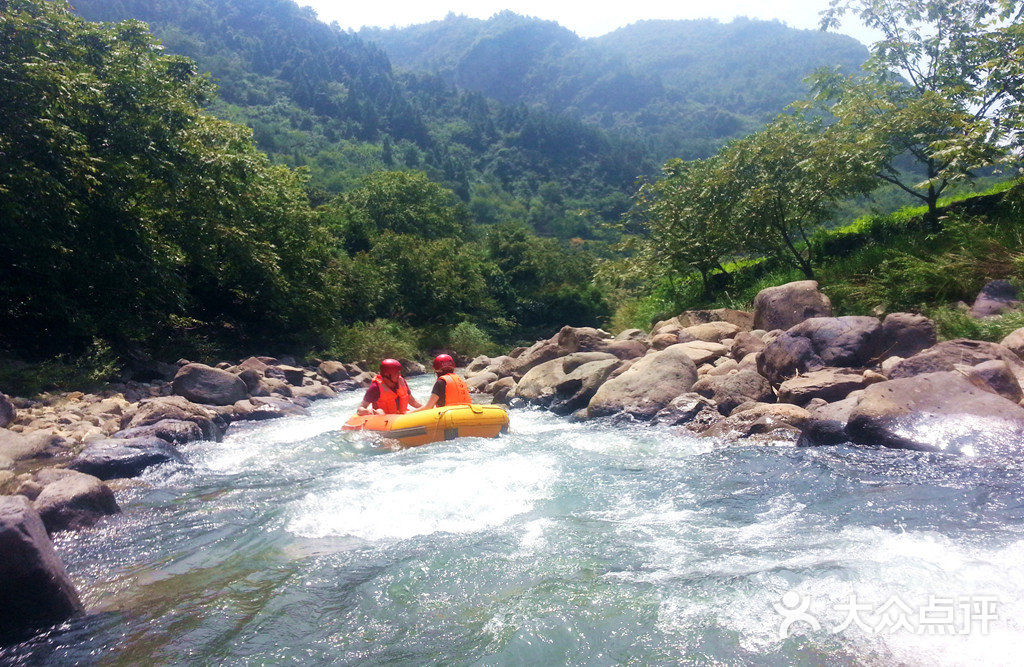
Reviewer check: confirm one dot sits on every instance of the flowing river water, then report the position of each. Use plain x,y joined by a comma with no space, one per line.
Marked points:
293,542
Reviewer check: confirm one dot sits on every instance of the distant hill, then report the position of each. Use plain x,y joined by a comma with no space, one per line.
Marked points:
691,83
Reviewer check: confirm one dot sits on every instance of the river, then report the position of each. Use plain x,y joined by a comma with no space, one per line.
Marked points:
293,542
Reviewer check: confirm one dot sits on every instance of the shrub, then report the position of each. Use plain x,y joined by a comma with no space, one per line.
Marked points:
469,340
956,323
86,372
375,340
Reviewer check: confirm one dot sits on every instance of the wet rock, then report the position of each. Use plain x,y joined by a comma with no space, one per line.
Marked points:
176,431
334,371
830,384
114,458
252,380
729,391
262,408
940,412
995,376
945,356
74,501
36,591
785,306
567,384
827,423
175,408
314,392
202,384
648,386
683,409
712,332
906,334
995,298
501,390
7,411
760,418
480,381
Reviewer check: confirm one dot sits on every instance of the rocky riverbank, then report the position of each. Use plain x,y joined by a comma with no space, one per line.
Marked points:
62,455
787,371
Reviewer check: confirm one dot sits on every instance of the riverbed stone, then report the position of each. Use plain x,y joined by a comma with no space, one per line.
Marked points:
830,384
785,306
941,412
72,500
683,409
712,332
906,334
7,411
567,384
945,356
502,390
995,376
36,591
314,392
995,298
176,431
260,408
212,386
648,386
176,408
481,380
729,391
115,458
334,371
827,423
758,418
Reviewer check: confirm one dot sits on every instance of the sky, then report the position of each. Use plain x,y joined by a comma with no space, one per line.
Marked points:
587,19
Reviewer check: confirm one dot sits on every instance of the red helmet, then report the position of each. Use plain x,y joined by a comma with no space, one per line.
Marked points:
391,368
444,362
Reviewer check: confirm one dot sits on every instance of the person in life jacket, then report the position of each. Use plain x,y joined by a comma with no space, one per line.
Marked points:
388,394
450,389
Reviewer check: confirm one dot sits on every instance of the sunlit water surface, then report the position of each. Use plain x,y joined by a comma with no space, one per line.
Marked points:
292,541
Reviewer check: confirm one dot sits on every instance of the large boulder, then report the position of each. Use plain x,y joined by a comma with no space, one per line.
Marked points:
293,375
567,384
741,318
200,383
940,412
683,409
1015,342
703,352
73,500
7,411
829,341
647,387
787,305
37,444
481,380
744,343
502,390
995,298
995,376
36,591
947,355
314,392
759,418
117,458
829,384
334,371
827,423
177,431
271,407
730,391
176,408
540,352
712,332
625,349
906,334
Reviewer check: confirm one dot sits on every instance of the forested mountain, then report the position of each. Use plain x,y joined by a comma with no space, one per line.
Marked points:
685,84
320,97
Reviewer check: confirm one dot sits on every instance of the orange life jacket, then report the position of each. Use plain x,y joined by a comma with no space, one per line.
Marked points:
392,402
456,392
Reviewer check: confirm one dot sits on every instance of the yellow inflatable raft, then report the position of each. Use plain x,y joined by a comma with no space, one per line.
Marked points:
434,425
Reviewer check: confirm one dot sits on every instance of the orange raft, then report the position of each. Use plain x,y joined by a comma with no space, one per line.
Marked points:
434,425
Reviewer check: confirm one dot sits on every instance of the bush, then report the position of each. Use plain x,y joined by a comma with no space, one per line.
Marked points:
86,372
467,339
370,341
956,323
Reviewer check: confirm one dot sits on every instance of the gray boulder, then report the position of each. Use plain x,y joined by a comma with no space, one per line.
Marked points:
729,391
995,376
74,501
175,408
906,334
263,408
947,355
821,342
117,458
744,343
291,374
36,591
786,356
1015,342
481,380
785,306
567,384
502,390
712,332
177,431
941,412
7,411
827,423
632,334
683,409
647,387
203,384
334,371
314,392
995,298
37,444
829,384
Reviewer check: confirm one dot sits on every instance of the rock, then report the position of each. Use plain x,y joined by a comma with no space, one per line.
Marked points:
115,457
252,380
254,364
703,352
412,368
37,592
663,340
115,405
202,384
889,364
995,298
37,444
175,431
995,376
830,384
683,409
501,390
314,392
673,323
293,375
745,343
725,366
940,412
827,423
648,386
261,408
567,384
176,408
7,411
728,391
581,339
1015,342
712,332
759,418
906,334
820,342
624,349
785,357
945,356
539,353
632,334
74,501
478,364
741,318
785,306
478,382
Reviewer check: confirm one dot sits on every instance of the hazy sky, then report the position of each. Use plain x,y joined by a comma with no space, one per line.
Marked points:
587,19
